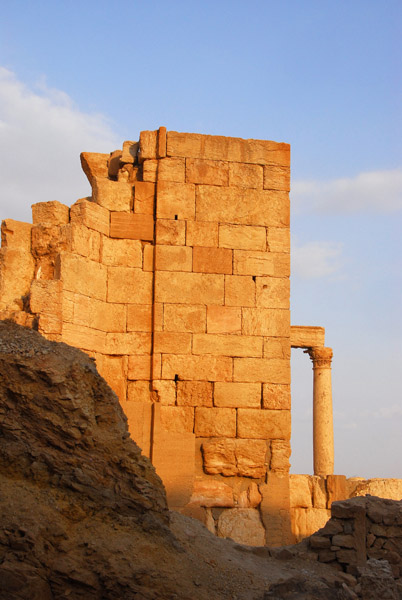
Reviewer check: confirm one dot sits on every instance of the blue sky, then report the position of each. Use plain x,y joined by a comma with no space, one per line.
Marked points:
323,76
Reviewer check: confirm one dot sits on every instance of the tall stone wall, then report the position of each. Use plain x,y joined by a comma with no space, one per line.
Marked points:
174,276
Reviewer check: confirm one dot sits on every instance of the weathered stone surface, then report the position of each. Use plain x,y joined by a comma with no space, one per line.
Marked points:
16,264
212,260
121,253
245,175
276,396
280,454
273,292
210,492
261,369
243,525
183,317
300,493
215,422
263,424
194,393
235,395
169,231
243,237
227,345
189,288
91,215
197,368
50,213
94,165
307,337
224,319
246,458
113,195
81,275
202,234
173,258
131,226
212,172
175,200
239,290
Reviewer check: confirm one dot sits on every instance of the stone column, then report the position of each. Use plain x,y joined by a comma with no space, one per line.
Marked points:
323,429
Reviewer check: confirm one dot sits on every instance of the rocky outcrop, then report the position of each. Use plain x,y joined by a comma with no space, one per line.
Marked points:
83,514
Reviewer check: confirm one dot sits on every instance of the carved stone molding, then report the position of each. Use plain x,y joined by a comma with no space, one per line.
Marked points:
321,357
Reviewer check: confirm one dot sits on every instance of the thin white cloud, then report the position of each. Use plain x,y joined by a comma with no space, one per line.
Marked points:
316,259
42,135
375,191
394,411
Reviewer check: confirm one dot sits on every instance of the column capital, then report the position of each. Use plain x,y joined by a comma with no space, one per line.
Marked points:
321,357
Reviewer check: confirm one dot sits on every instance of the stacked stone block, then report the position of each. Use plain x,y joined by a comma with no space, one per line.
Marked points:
174,276
361,529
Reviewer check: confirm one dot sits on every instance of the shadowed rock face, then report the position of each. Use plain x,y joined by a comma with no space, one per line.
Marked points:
71,477
83,514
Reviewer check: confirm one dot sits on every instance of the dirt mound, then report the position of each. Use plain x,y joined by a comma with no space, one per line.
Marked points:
83,513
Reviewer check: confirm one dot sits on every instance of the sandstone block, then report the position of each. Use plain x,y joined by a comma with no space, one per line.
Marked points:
91,215
189,288
202,234
235,395
194,393
266,321
113,195
227,345
277,178
273,292
94,165
127,285
276,396
81,240
281,264
239,291
173,258
129,153
251,457
246,175
280,454
138,391
210,492
171,169
336,488
264,370
16,273
263,424
128,343
247,262
16,235
300,492
114,370
243,525
84,338
275,510
150,170
161,143
81,275
223,319
164,392
243,207
148,257
139,416
170,342
212,260
243,237
219,457
307,337
212,172
114,164
131,226
277,347
177,418
98,314
194,145
175,200
121,252
169,231
197,368
148,145
144,198
278,239
139,317
184,317
46,301
319,492
139,367
215,422
50,213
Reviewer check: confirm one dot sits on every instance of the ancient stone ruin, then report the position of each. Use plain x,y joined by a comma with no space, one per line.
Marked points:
174,277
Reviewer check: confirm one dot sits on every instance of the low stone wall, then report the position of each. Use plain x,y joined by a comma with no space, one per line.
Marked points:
360,529
311,497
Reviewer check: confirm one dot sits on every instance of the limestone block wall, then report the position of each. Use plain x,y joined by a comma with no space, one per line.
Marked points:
174,276
361,529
